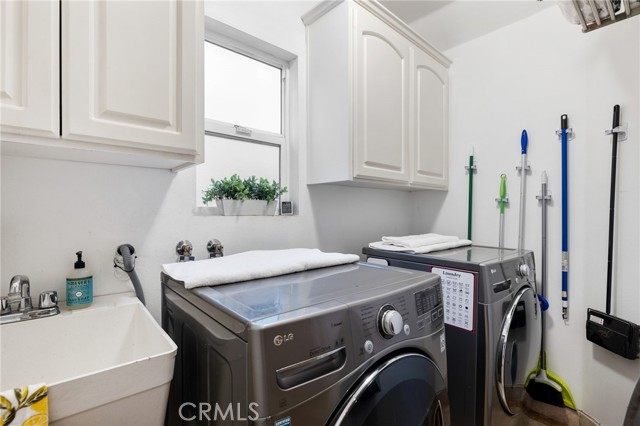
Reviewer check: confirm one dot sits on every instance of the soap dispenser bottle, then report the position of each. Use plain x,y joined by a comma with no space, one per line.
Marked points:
79,285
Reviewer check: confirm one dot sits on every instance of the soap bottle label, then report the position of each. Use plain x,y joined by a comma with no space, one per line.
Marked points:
79,291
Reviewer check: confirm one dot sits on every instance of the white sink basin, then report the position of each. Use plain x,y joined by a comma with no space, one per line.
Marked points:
109,364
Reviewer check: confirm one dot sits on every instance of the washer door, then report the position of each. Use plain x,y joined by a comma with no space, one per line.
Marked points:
518,349
405,390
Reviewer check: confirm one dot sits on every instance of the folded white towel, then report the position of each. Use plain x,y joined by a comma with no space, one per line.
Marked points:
420,250
252,265
411,241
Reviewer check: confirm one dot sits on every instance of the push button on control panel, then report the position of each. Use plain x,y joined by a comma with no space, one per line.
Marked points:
368,346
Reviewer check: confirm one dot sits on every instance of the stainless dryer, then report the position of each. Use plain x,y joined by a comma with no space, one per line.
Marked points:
493,327
355,344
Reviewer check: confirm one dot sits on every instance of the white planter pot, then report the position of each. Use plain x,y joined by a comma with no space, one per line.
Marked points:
246,208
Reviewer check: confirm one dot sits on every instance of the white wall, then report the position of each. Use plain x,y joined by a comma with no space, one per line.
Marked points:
524,77
51,209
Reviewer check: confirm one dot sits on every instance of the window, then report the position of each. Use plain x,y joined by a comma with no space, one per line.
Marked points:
242,90
245,103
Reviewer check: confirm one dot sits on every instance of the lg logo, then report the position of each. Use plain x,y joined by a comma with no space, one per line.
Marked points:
280,339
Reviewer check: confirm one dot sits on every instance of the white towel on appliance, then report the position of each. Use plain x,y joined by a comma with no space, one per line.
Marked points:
421,240
422,249
252,265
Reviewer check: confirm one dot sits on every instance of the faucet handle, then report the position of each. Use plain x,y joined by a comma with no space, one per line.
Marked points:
5,308
48,299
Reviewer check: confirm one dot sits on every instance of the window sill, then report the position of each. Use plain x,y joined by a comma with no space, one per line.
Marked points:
213,211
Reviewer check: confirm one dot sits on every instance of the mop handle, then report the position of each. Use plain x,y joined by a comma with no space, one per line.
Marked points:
524,142
543,280
503,191
565,221
503,195
612,203
470,195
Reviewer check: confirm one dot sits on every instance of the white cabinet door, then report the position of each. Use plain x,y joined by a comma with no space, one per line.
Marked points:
430,122
381,85
131,73
29,68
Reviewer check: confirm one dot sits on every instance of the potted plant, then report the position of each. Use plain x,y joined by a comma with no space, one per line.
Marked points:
236,196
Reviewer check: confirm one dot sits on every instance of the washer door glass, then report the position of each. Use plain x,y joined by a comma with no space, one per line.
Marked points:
405,390
518,349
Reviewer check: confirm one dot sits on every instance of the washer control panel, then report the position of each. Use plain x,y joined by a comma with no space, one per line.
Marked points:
406,314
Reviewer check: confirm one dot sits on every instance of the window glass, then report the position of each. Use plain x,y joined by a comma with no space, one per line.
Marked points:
241,90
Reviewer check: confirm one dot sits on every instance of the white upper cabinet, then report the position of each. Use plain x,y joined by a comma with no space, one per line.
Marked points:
430,124
381,100
128,73
29,68
130,80
378,100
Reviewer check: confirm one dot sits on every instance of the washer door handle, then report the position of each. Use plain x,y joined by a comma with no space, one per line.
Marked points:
310,369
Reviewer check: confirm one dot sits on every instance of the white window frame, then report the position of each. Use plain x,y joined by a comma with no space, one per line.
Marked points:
244,44
236,40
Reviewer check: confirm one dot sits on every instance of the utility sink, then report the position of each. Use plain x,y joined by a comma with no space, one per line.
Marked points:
108,364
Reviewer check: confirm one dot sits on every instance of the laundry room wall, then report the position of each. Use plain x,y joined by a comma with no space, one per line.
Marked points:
525,76
51,209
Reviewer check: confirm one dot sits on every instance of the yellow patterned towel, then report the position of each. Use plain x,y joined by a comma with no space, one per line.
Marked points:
25,406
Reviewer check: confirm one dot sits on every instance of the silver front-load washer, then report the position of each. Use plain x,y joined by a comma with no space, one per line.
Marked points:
352,345
493,327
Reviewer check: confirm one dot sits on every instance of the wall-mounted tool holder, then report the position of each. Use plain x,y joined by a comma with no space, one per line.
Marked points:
215,248
473,167
527,168
621,130
184,248
546,197
570,134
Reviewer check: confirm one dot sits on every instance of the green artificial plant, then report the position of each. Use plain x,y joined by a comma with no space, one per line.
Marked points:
235,188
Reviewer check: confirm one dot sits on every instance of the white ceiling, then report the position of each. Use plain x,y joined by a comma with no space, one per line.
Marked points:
448,23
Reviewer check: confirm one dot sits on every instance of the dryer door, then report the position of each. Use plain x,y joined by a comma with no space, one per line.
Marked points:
407,390
518,349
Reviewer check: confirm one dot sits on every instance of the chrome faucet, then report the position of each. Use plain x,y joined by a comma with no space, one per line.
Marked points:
17,305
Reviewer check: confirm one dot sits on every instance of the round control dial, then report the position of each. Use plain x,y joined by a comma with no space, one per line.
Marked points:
390,322
523,270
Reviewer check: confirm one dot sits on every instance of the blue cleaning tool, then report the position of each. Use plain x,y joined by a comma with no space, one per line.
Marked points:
565,222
